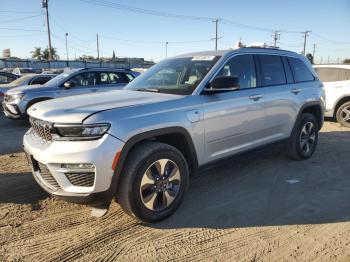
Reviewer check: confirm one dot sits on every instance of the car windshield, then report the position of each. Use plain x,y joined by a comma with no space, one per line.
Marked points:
57,80
178,76
19,81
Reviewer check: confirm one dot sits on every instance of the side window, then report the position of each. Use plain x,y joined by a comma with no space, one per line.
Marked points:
117,78
40,80
343,75
328,74
272,70
102,78
243,67
130,77
83,79
300,71
3,79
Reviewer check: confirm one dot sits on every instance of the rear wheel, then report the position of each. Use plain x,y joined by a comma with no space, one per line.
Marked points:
153,182
343,114
304,138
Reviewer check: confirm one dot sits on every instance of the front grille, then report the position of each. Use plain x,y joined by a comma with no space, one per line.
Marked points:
41,128
81,179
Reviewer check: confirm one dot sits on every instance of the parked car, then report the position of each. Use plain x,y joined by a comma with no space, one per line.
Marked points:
6,77
21,71
25,80
73,82
336,79
141,144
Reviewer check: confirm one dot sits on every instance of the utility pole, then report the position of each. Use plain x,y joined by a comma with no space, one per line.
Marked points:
98,47
305,36
276,36
46,6
67,45
313,52
166,49
216,21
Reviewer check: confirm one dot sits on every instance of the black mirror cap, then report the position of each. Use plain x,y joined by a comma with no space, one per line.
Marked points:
225,82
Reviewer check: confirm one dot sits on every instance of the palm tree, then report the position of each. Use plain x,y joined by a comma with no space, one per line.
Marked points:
45,53
37,54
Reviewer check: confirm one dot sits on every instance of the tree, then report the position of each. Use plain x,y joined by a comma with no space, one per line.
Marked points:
113,56
37,53
45,53
310,57
346,61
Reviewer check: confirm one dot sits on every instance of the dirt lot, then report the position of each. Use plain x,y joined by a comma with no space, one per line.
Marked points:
241,210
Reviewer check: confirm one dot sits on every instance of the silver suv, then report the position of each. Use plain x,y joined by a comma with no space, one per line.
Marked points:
73,82
141,144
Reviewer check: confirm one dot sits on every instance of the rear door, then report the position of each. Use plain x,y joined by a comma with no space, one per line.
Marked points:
281,103
82,83
107,81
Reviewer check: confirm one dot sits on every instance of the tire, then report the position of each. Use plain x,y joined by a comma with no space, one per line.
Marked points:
142,195
303,140
343,114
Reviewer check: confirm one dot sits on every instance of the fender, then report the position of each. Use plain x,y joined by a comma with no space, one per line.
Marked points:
36,100
309,104
108,195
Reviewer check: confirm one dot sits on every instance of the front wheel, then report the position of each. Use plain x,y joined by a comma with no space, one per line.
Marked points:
153,182
343,114
304,137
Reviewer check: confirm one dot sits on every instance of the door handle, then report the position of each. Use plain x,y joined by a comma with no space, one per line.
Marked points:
296,91
255,97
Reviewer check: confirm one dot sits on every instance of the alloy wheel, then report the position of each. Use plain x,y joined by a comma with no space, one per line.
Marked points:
160,184
307,137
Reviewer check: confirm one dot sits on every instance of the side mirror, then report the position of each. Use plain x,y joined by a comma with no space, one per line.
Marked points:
223,84
68,85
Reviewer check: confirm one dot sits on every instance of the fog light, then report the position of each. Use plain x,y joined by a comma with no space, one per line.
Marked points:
79,166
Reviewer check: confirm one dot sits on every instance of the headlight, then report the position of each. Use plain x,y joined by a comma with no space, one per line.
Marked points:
80,132
15,97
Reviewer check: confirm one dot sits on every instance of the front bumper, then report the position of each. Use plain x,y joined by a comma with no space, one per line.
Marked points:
46,161
12,110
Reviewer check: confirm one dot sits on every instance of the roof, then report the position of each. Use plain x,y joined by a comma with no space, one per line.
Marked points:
344,66
239,50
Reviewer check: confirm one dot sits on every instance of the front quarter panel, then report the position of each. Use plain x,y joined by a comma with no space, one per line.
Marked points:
130,121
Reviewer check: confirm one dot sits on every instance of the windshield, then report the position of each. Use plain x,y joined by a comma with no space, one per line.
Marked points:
57,80
178,76
19,81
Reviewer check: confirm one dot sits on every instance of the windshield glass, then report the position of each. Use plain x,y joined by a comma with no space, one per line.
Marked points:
19,81
57,80
178,76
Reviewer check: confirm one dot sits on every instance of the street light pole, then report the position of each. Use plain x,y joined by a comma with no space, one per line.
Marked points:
67,45
166,49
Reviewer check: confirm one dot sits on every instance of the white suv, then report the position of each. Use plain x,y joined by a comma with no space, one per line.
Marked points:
336,79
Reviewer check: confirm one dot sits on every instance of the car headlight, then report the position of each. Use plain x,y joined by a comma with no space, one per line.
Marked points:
15,97
80,131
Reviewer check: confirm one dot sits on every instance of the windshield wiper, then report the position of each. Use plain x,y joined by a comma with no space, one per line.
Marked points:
155,90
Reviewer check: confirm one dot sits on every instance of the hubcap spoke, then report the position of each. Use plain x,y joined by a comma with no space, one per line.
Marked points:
307,137
346,114
149,202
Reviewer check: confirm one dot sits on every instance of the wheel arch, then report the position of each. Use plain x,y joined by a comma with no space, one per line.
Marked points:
36,100
314,108
339,103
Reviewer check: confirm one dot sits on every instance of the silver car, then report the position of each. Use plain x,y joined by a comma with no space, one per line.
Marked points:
73,82
141,144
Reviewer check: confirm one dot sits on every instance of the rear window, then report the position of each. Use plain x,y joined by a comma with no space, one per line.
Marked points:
300,71
333,74
40,80
272,70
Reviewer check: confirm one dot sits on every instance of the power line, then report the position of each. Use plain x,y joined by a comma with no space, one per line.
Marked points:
19,19
329,40
17,12
21,29
145,11
152,42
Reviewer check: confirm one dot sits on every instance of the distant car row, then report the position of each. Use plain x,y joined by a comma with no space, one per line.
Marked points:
73,82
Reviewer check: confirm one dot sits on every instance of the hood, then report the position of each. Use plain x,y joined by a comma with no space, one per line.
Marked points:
75,109
26,89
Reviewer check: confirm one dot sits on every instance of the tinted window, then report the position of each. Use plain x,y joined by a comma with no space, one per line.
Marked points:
4,79
272,70
40,80
117,78
243,67
84,79
130,77
300,71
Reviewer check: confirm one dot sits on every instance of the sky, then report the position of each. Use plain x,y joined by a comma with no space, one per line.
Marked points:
139,34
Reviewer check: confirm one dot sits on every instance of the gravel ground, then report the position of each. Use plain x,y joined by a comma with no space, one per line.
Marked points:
260,206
